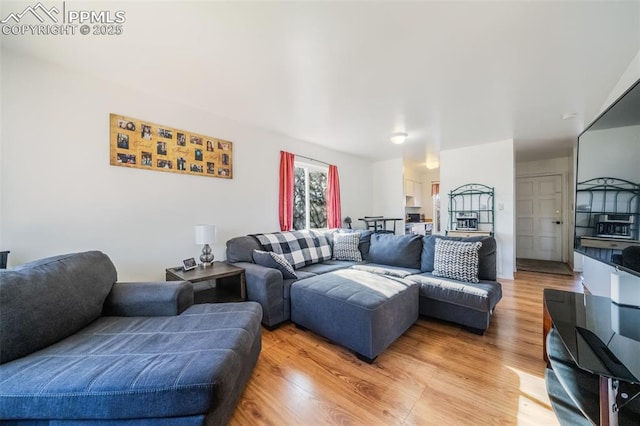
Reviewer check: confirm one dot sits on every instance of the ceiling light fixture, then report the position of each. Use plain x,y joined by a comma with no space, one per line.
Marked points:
432,164
398,138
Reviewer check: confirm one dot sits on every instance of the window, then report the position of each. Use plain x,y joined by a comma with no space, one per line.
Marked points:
309,197
435,195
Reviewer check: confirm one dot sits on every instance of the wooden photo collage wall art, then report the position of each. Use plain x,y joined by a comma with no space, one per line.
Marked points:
145,145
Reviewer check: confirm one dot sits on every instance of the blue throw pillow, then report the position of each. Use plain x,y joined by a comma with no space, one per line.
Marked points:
276,261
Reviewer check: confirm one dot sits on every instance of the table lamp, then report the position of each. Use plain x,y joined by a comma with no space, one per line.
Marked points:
348,221
206,234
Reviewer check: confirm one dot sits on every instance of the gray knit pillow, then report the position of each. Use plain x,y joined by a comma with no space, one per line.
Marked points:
456,260
345,247
276,261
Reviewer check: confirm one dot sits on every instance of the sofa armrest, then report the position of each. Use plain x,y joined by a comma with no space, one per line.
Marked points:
265,286
141,299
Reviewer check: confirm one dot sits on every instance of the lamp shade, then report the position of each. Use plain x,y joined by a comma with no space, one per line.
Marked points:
205,234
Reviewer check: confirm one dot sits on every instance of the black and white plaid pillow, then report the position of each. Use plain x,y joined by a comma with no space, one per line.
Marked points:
276,261
345,247
456,260
300,248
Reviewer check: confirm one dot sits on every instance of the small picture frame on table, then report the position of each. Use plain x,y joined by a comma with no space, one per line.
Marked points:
189,264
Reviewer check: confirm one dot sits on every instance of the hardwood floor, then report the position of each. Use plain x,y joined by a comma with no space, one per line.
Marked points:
434,374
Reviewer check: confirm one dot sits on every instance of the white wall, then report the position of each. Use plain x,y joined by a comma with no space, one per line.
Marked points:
628,77
388,194
59,194
490,164
556,166
2,245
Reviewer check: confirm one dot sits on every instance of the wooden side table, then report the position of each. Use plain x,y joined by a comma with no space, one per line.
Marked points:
217,283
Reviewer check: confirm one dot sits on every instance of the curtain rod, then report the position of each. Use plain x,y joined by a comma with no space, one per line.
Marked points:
312,159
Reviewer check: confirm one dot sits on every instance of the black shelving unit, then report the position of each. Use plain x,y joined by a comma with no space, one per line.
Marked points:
607,213
471,208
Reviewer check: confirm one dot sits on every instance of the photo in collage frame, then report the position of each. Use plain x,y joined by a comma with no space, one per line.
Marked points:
145,145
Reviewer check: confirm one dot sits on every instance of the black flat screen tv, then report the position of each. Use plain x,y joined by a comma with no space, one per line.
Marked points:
607,200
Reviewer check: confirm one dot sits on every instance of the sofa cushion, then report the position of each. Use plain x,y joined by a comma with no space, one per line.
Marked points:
482,296
396,250
276,261
240,249
137,367
486,255
286,284
365,243
392,271
345,247
456,260
487,259
301,248
47,300
324,267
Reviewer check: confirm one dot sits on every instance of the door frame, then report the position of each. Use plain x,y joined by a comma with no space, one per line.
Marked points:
564,202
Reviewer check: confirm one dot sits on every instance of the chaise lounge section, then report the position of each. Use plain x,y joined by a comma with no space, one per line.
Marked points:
79,348
465,303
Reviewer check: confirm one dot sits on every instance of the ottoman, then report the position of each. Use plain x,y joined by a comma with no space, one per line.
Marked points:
359,310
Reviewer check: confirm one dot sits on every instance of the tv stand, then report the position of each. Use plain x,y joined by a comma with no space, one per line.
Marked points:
592,347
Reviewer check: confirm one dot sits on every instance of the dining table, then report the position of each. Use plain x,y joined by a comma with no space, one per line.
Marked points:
379,223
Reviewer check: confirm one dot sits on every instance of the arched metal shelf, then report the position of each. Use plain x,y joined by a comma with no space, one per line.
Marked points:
471,209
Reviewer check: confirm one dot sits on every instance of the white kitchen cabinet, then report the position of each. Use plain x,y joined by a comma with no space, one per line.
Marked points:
412,193
408,188
417,194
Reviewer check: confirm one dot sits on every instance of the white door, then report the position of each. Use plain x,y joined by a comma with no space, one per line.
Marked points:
539,218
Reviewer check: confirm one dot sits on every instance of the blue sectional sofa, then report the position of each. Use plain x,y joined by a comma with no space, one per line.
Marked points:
318,295
79,348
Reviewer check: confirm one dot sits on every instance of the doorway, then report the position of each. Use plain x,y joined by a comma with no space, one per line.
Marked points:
539,218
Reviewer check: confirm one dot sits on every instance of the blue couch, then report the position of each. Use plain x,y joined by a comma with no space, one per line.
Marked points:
406,257
79,348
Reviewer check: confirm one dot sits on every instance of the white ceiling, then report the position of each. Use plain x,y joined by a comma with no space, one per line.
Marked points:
348,74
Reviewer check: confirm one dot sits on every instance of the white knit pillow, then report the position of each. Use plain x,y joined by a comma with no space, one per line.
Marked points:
345,247
456,260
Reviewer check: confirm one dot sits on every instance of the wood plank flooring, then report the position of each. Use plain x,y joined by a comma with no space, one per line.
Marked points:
435,374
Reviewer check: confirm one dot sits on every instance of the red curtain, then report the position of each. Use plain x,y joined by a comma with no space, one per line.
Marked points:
334,213
285,202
